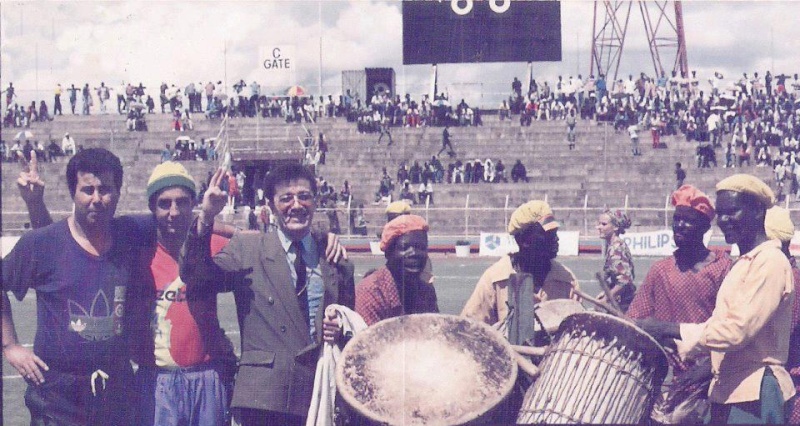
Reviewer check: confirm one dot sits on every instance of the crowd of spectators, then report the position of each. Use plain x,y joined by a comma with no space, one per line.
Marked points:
186,149
415,182
52,152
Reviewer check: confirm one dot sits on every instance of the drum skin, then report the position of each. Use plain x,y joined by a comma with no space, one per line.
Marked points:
431,369
600,370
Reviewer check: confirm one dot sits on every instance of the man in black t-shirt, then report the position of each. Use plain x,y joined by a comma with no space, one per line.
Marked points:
81,269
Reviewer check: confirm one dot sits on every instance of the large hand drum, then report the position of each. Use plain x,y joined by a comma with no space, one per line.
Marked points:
599,369
426,369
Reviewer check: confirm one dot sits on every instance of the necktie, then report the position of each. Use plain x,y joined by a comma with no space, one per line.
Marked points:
302,279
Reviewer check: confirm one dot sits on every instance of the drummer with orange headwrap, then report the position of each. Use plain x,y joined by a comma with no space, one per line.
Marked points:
536,232
683,288
397,288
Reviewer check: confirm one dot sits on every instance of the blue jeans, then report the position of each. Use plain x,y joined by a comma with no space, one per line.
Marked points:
768,409
197,396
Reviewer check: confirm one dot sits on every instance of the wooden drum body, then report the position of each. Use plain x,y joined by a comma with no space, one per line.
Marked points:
599,369
426,369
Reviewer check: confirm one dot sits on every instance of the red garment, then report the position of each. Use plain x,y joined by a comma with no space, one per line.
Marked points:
668,294
233,187
185,330
377,298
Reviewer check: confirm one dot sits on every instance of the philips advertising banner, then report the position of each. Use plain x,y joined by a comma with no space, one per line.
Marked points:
501,243
655,243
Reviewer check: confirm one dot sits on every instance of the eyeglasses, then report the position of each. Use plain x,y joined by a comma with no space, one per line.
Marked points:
302,197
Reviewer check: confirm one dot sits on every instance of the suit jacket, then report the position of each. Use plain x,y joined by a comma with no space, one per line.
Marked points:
277,366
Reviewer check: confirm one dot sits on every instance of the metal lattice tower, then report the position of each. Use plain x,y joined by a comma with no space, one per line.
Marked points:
663,25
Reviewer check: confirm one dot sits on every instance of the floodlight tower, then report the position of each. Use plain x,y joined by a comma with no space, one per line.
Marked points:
663,25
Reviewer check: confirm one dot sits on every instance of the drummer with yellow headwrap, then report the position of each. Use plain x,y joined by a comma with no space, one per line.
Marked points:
748,333
779,227
536,232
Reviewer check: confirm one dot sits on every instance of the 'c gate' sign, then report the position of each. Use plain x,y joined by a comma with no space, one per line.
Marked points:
277,60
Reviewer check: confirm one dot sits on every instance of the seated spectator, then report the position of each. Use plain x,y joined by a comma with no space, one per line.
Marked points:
41,152
68,145
500,172
519,173
406,193
53,150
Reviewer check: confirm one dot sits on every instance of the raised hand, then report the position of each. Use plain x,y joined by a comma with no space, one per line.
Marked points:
30,184
334,250
214,199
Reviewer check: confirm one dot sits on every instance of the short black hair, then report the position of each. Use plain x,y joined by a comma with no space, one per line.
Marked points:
286,173
95,161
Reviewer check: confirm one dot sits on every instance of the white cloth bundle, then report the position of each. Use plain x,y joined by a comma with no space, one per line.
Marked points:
323,399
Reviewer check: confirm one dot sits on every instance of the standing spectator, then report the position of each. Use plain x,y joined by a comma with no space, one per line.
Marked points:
57,101
446,144
618,271
384,129
103,96
166,153
680,175
209,89
73,97
655,131
122,104
571,121
322,146
87,99
44,115
633,132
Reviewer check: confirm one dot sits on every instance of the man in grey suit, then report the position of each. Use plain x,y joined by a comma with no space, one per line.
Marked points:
282,284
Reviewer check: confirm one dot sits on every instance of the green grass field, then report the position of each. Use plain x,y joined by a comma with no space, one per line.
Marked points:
455,280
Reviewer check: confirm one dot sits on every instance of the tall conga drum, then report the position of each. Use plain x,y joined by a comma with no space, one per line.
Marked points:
599,369
431,369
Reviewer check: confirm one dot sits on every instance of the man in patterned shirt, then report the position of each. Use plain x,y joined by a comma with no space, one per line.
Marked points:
683,287
397,288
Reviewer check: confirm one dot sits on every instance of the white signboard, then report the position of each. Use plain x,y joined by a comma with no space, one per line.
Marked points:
655,243
279,63
501,243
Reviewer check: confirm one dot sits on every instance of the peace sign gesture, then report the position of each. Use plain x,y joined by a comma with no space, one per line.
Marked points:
30,184
214,199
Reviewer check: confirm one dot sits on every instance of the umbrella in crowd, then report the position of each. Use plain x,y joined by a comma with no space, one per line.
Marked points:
25,135
183,139
136,105
719,108
296,91
440,103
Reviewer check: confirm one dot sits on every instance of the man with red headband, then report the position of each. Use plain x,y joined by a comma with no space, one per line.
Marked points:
397,288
